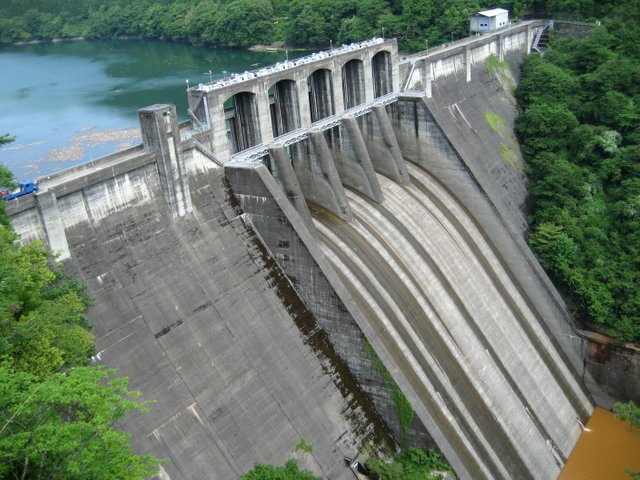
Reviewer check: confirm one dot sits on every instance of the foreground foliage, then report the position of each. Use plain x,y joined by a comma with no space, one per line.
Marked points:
56,414
290,471
580,132
7,181
239,23
631,412
62,427
42,327
409,464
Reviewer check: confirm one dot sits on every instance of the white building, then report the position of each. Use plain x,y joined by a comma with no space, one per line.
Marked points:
488,20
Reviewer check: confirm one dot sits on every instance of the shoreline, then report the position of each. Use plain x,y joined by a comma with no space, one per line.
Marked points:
275,47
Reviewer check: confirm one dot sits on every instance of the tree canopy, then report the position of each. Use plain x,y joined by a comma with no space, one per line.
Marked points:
289,471
6,138
57,414
630,412
580,133
7,181
240,23
410,464
62,426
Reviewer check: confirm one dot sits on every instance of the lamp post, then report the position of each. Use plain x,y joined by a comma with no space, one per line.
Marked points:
187,80
427,42
382,33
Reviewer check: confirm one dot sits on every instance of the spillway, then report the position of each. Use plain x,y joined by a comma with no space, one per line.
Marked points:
488,381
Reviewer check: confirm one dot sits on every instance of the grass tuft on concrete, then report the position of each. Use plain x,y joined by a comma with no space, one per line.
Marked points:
403,406
303,446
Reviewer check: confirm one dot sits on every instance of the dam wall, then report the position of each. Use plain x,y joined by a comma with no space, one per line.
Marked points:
201,320
293,245
387,276
462,132
257,272
383,266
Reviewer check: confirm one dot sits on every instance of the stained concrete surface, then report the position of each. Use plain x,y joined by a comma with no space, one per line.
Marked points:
187,310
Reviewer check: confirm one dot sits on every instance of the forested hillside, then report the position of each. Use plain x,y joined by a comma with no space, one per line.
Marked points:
580,132
241,23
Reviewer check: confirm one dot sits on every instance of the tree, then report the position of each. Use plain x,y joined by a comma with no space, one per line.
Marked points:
545,127
6,138
201,23
580,130
245,22
631,412
7,181
410,464
42,327
290,471
559,85
628,411
62,427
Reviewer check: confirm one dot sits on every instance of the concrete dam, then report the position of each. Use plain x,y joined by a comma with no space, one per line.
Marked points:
248,263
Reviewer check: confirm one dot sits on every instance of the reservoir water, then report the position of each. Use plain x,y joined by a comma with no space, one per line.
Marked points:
70,102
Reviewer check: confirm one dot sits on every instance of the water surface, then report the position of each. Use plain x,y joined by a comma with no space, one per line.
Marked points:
70,102
604,450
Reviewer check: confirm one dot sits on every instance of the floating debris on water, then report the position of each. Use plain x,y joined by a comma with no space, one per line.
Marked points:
97,137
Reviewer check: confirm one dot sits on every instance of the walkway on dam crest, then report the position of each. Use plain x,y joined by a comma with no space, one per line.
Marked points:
255,154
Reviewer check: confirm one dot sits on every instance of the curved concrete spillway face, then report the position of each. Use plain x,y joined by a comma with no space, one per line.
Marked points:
243,120
285,107
353,84
382,74
321,101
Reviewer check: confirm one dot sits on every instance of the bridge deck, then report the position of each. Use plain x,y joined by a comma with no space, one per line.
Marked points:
254,154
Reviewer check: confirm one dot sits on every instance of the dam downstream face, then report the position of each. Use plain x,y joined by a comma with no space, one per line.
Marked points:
484,373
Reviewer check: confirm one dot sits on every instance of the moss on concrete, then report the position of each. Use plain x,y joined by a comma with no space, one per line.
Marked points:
303,446
501,72
508,155
496,122
403,406
508,145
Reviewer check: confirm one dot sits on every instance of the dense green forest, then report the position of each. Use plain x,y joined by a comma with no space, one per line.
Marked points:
580,133
241,23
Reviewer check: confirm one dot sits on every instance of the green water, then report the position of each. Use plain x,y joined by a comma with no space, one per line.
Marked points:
67,103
